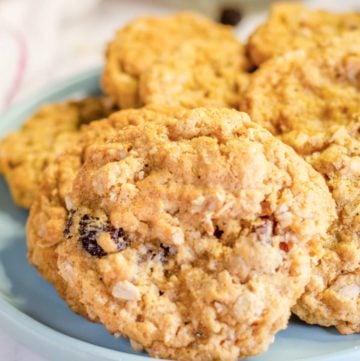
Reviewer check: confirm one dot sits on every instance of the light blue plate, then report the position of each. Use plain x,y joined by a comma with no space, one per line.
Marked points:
31,311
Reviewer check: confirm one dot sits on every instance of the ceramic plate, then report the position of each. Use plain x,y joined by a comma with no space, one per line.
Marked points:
31,311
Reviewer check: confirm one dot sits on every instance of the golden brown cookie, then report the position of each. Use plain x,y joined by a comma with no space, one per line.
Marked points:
188,231
332,298
311,100
48,217
302,95
47,222
198,73
146,40
25,154
293,26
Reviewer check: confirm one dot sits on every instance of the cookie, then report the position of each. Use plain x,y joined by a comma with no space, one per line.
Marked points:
310,99
302,95
293,26
197,74
139,45
332,297
24,154
47,221
189,232
48,218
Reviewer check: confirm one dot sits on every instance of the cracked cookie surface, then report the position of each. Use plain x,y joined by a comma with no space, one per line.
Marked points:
143,42
24,154
303,96
311,100
189,231
198,73
292,26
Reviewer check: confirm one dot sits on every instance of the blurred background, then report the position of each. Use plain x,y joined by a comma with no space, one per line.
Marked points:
45,40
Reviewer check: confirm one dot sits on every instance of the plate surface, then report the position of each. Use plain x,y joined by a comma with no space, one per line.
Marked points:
31,311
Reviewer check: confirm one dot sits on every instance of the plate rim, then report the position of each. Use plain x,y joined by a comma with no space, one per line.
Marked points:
12,318
45,92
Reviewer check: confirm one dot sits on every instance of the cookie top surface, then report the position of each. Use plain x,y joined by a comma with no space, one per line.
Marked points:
189,231
139,44
24,154
302,95
198,73
293,26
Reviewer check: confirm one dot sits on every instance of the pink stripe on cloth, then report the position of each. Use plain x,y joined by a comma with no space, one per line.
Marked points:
21,66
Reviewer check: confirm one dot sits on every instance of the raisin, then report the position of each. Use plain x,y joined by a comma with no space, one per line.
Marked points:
118,234
88,231
230,16
218,232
